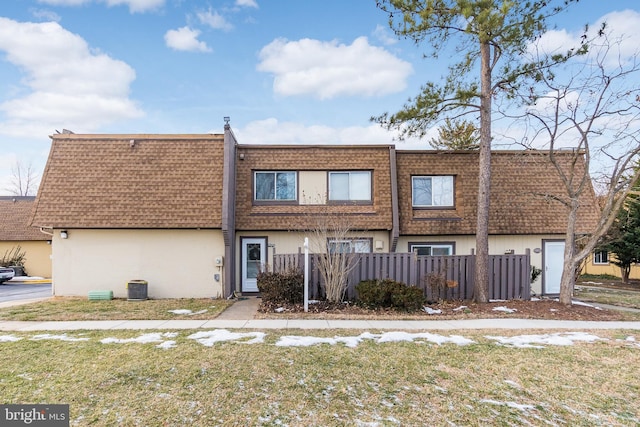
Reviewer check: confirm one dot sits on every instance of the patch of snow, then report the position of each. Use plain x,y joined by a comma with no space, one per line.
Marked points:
279,310
574,302
166,345
512,383
314,301
9,338
537,341
430,310
592,283
152,337
187,312
306,341
497,300
62,337
462,307
513,405
209,338
436,339
505,309
535,299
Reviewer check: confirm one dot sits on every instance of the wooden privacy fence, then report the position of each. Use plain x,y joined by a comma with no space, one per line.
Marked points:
440,277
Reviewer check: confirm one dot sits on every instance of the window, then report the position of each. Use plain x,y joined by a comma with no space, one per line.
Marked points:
275,186
434,249
432,191
354,186
358,246
601,257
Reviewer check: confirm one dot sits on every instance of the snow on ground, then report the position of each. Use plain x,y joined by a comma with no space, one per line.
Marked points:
306,341
152,337
187,312
212,337
513,405
574,302
430,310
62,337
537,341
504,309
209,338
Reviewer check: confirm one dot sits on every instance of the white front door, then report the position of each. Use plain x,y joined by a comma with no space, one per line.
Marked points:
552,268
254,256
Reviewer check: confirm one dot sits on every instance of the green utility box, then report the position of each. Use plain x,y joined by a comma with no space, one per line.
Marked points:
100,295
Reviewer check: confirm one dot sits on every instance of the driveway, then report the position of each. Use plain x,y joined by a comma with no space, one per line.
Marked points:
15,292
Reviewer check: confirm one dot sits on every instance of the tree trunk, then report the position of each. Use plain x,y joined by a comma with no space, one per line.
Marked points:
481,287
626,271
570,264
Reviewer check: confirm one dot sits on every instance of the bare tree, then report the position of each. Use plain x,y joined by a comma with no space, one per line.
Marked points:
595,110
24,180
333,239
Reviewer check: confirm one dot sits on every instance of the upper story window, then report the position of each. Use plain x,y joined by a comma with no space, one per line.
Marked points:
601,257
351,186
275,186
432,191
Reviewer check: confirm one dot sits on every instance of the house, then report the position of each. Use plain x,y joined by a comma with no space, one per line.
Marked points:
16,232
199,215
600,263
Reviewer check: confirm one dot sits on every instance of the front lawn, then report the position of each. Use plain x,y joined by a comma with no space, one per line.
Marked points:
64,308
225,378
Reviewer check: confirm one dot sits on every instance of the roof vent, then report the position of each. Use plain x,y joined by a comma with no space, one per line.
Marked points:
132,143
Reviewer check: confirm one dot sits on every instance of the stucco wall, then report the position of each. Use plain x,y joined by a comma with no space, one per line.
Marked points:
176,263
611,269
38,256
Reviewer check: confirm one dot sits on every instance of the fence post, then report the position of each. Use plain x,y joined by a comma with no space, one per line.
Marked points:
306,274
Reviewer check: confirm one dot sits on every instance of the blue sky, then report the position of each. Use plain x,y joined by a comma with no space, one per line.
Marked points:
286,71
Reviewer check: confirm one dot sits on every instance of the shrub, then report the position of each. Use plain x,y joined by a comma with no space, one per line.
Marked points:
388,293
286,287
15,256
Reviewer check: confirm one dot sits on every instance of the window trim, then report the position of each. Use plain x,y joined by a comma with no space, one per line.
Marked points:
275,201
357,201
451,245
596,262
453,193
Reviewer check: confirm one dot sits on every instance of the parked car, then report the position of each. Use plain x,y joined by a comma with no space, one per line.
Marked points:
6,273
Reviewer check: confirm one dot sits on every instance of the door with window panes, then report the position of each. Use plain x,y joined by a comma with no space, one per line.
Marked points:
253,261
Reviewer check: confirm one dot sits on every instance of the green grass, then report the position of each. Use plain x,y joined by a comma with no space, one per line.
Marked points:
117,309
604,295
409,384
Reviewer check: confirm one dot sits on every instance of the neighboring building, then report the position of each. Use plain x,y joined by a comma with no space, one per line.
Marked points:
600,263
16,231
197,215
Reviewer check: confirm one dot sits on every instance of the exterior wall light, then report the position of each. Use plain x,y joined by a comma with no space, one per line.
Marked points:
64,234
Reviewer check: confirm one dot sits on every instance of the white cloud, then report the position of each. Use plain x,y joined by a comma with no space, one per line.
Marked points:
138,6
622,29
45,15
185,39
247,3
271,131
214,20
385,35
328,69
135,6
65,83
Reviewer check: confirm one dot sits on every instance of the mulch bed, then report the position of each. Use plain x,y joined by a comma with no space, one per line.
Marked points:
536,309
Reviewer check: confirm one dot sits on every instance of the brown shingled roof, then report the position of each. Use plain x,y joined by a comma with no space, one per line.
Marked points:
132,181
16,216
521,182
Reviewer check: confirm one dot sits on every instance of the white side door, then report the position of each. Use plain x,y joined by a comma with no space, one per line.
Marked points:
552,268
254,256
